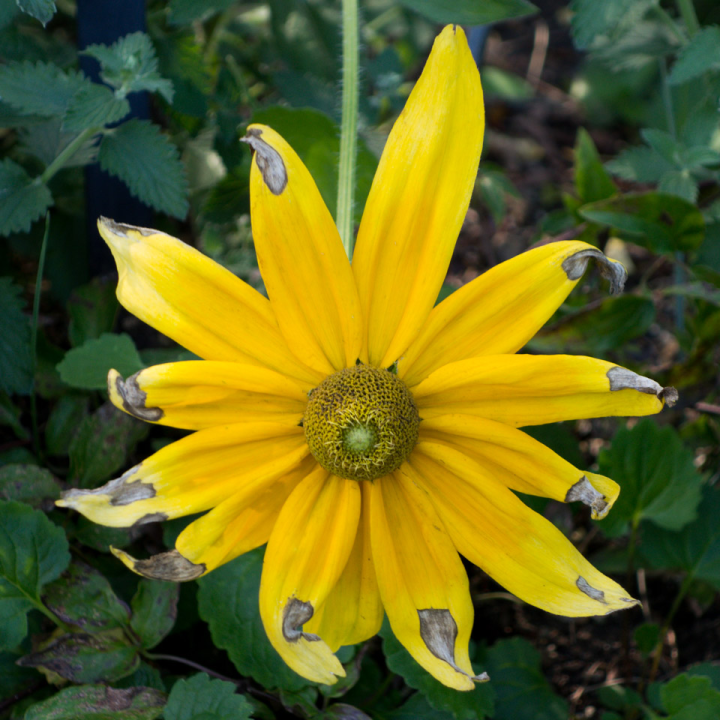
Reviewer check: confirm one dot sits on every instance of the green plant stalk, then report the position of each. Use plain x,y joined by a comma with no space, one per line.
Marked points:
60,161
349,125
689,16
670,23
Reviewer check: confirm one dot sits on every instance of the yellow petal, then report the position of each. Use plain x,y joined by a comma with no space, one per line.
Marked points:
353,611
306,271
200,394
501,310
192,474
197,302
521,462
419,198
537,389
307,552
422,581
521,550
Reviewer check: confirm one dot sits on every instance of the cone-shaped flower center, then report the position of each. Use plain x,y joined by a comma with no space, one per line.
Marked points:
361,423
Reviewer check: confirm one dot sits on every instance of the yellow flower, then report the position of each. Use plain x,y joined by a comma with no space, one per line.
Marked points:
368,438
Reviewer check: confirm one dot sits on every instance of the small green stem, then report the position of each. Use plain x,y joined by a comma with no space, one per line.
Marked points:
667,98
670,23
34,333
349,125
689,16
59,162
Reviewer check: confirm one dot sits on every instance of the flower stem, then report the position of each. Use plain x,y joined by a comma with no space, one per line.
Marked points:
59,162
689,16
348,127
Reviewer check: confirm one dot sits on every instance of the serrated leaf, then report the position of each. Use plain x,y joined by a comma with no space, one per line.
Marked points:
591,179
42,10
228,602
33,552
471,12
200,697
99,702
148,163
679,183
15,353
94,105
87,366
63,422
663,143
22,199
657,475
698,56
639,164
474,705
683,692
592,18
39,88
154,607
28,484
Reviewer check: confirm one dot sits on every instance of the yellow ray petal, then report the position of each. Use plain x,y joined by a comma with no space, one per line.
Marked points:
353,611
200,394
306,271
521,462
537,389
193,474
197,302
419,198
307,552
501,310
423,584
521,550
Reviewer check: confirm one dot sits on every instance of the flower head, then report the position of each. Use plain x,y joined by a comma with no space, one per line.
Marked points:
368,438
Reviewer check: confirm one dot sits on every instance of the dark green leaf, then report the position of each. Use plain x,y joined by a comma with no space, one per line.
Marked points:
148,163
657,475
10,415
82,597
698,56
183,12
663,143
710,670
15,337
679,183
471,12
99,702
343,711
22,199
100,537
87,366
591,179
33,552
646,637
28,484
228,602
154,609
473,705
63,422
500,83
200,697
94,106
417,708
684,691
42,10
618,697
13,678
92,309
592,18
144,676
697,291
639,164
559,438
494,188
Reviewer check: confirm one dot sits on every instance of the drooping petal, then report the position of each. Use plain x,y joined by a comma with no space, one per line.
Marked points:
201,394
520,549
422,581
306,271
419,198
536,389
353,611
521,462
192,474
197,302
306,555
498,312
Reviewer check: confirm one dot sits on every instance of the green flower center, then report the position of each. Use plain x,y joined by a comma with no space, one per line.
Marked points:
361,423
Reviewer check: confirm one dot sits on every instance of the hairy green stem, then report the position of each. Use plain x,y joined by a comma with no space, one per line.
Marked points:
349,125
689,16
60,161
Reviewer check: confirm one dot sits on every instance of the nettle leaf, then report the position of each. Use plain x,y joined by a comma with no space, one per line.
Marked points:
92,309
657,475
228,603
592,181
130,65
42,10
698,56
33,552
473,705
28,484
200,697
94,105
22,198
15,353
154,609
148,163
471,12
87,366
99,702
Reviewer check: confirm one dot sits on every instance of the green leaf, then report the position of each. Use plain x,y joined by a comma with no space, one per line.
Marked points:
102,444
646,637
494,188
657,475
184,12
42,10
130,65
521,690
505,85
22,198
28,484
679,183
200,697
683,692
99,702
10,415
471,12
63,422
33,552
154,609
82,597
343,711
618,697
92,309
474,705
417,708
592,18
94,105
228,602
639,164
591,179
148,163
661,223
87,366
663,143
14,679
100,537
698,56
